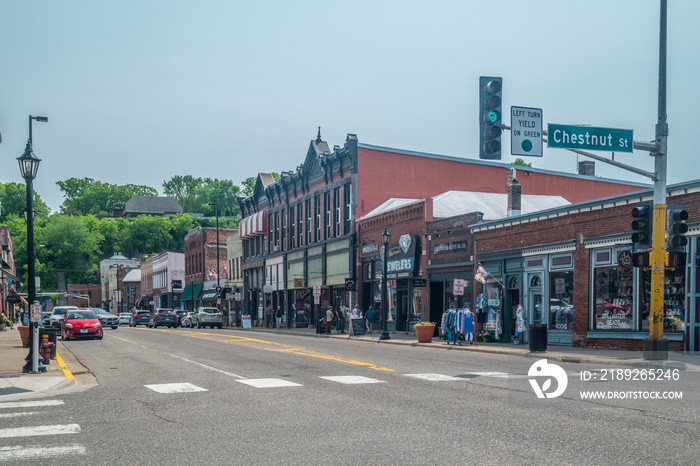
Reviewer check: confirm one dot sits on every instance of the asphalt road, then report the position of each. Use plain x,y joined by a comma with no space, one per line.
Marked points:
245,397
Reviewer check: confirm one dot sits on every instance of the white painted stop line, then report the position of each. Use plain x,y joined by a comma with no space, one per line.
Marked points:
37,431
176,388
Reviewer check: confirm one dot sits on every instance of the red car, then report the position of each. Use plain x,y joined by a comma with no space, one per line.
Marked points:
82,323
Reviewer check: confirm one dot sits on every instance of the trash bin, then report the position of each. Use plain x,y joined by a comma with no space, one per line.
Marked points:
538,337
49,333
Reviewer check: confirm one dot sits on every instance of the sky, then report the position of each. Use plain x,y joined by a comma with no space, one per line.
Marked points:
137,92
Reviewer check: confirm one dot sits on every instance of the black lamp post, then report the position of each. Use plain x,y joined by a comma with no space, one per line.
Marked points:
28,166
386,236
218,269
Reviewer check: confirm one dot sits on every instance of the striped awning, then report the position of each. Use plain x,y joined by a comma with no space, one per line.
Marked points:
252,225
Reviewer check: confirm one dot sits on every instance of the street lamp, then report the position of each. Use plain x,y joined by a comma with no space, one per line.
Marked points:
28,166
218,270
386,236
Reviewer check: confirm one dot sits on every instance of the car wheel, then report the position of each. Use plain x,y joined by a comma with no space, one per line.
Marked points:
220,325
114,327
155,325
100,337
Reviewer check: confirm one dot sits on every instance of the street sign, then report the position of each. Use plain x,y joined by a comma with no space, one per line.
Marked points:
589,137
418,282
458,287
35,313
526,131
317,290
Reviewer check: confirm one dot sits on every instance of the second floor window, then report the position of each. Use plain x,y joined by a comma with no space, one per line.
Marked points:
348,209
317,216
307,206
338,211
327,207
292,230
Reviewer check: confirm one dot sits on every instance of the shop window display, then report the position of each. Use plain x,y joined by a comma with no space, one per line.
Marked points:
613,299
561,297
674,307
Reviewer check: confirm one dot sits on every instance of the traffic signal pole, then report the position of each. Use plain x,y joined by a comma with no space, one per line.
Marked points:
656,347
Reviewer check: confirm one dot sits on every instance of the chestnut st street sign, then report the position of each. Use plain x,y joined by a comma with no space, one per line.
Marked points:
589,137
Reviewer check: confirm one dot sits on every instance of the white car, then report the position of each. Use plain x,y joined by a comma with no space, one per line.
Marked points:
207,316
187,320
124,317
59,314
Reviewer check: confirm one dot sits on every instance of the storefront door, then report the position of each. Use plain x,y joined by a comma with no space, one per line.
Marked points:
511,305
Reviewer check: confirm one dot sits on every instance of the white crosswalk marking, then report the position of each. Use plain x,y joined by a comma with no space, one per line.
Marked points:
30,404
433,377
34,448
268,383
351,379
24,452
175,388
36,431
28,413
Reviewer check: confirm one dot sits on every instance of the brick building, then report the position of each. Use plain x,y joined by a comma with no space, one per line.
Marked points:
562,266
298,232
201,274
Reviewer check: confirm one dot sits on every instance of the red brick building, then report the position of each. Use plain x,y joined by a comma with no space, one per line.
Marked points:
298,232
562,266
201,270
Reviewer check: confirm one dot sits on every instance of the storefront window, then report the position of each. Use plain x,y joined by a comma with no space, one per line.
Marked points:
674,306
494,315
561,298
613,299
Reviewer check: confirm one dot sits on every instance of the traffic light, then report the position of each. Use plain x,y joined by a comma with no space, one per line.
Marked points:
641,225
490,117
677,228
641,259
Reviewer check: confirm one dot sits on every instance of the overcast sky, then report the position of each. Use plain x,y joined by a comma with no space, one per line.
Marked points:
140,91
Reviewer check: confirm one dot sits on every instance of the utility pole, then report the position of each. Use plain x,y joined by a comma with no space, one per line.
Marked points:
656,347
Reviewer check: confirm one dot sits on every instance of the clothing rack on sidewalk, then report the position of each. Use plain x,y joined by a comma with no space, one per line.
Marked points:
457,326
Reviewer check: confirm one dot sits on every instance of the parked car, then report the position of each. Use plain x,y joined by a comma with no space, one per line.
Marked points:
46,318
187,320
139,318
81,323
58,314
208,316
124,317
163,317
107,319
180,315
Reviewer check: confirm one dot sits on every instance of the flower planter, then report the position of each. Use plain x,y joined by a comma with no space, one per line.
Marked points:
424,333
24,333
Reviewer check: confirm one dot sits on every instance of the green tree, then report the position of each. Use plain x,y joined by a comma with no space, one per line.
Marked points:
184,190
13,201
145,234
87,196
520,162
74,245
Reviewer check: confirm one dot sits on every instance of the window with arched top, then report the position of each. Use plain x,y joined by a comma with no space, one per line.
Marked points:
536,282
514,283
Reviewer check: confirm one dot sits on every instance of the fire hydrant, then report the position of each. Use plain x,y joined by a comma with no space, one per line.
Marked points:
45,350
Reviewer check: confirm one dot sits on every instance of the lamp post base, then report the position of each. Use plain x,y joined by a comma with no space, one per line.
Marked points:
384,335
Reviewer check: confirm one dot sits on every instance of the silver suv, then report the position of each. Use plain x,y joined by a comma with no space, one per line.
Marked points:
59,314
207,316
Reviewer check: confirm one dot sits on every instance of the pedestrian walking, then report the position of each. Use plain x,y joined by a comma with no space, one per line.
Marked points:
356,312
338,320
343,316
268,317
329,319
369,318
278,317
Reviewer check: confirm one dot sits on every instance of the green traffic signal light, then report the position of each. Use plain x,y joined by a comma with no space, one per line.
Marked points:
490,117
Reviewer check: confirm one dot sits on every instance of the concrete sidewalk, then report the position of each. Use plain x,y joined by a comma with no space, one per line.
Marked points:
58,378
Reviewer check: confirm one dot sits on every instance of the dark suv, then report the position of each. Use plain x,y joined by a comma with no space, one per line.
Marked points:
163,317
139,318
